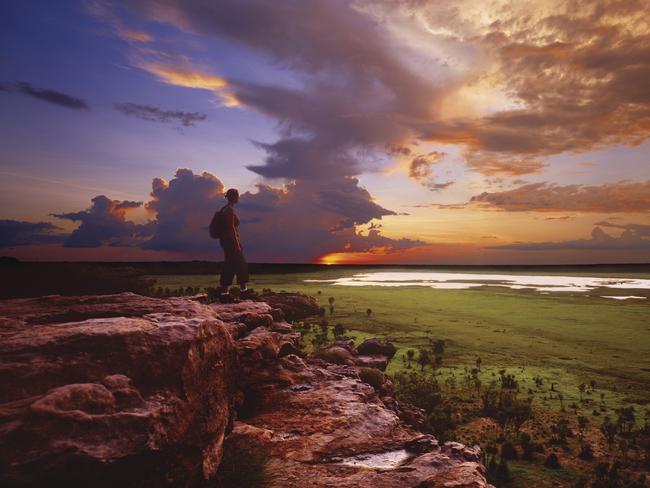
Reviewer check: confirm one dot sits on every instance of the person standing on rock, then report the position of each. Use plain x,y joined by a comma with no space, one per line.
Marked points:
224,227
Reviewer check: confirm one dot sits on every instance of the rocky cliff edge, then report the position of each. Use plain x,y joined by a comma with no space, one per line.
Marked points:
136,391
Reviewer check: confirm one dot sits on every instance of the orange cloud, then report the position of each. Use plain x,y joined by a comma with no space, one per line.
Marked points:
192,78
622,196
577,77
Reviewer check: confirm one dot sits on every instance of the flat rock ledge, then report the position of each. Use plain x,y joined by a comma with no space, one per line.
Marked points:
126,390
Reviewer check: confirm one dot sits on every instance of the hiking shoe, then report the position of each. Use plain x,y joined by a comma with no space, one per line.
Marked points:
247,294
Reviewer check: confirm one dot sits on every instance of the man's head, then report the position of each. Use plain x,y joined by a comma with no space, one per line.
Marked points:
232,195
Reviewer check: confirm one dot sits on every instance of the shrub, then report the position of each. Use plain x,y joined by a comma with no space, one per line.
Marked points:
420,390
372,376
441,423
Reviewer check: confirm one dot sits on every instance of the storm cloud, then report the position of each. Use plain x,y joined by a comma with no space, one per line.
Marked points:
297,222
353,95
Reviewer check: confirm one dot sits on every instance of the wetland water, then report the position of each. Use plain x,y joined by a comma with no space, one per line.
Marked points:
458,281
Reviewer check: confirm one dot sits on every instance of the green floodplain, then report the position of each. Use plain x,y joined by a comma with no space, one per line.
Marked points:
575,354
567,338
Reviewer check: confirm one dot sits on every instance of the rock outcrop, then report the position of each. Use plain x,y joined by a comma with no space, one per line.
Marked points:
295,306
134,391
113,390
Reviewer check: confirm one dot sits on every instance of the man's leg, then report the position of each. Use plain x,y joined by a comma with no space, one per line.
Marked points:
228,271
242,273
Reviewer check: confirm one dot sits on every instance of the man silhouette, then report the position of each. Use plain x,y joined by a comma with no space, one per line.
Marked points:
234,262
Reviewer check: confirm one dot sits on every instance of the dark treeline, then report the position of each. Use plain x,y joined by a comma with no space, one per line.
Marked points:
29,279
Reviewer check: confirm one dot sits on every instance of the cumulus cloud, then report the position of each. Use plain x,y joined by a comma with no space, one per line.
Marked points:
629,240
47,95
297,222
622,196
183,207
19,233
156,114
105,223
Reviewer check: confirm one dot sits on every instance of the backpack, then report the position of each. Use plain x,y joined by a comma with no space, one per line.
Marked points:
218,225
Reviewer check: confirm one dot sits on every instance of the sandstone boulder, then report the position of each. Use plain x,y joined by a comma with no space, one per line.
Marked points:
112,390
294,306
377,347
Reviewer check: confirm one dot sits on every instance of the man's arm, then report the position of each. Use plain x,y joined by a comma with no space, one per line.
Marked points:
230,221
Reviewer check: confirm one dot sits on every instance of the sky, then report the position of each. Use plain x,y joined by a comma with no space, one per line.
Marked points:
358,131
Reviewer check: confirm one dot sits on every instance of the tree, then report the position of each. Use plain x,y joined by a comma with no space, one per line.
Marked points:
338,331
438,361
423,358
439,347
581,389
583,422
478,363
323,327
368,312
552,461
561,431
609,429
331,302
626,419
503,472
527,446
623,446
410,353
508,451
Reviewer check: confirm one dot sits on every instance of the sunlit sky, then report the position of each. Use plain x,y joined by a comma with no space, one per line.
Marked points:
386,131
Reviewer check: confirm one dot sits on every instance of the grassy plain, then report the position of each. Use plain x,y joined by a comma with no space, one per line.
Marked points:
565,338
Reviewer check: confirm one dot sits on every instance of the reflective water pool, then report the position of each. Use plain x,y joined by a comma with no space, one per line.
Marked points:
455,281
